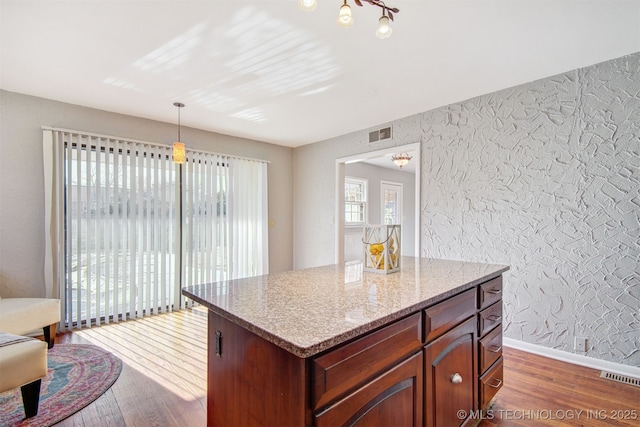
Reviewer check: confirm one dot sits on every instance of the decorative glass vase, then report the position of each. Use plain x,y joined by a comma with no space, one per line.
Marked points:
382,248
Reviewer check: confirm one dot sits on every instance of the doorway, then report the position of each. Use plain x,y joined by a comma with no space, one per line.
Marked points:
410,220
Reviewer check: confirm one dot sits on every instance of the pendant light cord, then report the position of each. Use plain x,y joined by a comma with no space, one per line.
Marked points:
179,105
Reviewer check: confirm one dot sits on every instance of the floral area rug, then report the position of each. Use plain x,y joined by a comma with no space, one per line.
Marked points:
78,374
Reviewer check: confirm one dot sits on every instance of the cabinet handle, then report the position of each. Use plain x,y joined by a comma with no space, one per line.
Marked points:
494,291
495,348
456,378
495,385
219,344
494,318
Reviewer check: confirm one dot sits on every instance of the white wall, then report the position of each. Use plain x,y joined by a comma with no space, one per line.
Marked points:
21,179
544,177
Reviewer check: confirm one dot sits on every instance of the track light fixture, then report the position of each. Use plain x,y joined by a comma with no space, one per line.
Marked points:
384,29
308,5
345,19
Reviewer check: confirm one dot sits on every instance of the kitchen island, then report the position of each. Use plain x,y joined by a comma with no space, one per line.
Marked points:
334,345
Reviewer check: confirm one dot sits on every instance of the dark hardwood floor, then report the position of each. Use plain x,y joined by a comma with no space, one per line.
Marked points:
542,391
163,382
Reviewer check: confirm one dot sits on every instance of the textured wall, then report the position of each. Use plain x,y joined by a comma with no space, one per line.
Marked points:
607,271
546,177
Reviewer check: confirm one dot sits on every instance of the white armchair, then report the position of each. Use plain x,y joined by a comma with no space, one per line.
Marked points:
20,316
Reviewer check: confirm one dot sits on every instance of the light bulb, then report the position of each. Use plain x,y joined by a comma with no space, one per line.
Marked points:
384,29
345,20
307,5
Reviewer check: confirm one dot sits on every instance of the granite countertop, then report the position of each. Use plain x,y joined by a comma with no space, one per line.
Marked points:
311,310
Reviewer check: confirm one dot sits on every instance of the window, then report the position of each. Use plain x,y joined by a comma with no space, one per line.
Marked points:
355,201
127,228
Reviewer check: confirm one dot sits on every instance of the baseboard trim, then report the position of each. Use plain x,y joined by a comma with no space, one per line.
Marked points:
576,359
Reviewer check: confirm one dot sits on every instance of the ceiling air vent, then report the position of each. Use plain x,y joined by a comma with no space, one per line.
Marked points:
620,378
380,134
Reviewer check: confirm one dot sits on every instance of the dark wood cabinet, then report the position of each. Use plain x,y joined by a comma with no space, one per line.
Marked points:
351,365
489,340
252,382
490,349
422,369
392,399
490,382
443,316
450,376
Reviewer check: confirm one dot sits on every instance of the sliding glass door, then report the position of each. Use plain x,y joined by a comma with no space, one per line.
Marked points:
128,228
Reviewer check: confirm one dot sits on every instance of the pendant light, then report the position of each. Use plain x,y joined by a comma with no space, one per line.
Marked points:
179,153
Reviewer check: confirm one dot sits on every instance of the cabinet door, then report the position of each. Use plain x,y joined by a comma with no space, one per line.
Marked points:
450,376
252,382
392,399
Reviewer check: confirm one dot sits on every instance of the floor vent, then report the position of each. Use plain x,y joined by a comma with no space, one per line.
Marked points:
620,378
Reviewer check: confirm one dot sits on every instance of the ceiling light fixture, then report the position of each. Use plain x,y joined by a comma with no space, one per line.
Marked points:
179,152
401,159
307,5
384,29
345,19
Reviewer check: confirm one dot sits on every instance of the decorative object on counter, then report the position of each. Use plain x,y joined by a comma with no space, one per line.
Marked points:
345,19
179,153
401,159
382,248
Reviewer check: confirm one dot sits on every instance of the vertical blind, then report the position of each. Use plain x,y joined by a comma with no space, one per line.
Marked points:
224,218
127,228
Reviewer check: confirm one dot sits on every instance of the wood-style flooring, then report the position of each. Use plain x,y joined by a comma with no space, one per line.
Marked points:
163,382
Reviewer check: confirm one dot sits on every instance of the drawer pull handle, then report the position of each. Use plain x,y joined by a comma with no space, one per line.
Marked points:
456,378
494,291
219,344
497,383
494,318
495,348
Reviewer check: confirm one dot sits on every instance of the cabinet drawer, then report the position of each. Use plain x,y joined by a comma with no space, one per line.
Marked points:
350,365
490,292
490,383
490,348
489,318
392,399
445,315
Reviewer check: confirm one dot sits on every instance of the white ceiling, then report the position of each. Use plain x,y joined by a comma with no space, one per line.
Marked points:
385,161
268,71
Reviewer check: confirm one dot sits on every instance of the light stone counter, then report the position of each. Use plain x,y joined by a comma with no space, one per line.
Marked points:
311,310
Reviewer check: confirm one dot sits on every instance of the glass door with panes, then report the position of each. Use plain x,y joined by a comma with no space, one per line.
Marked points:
391,202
